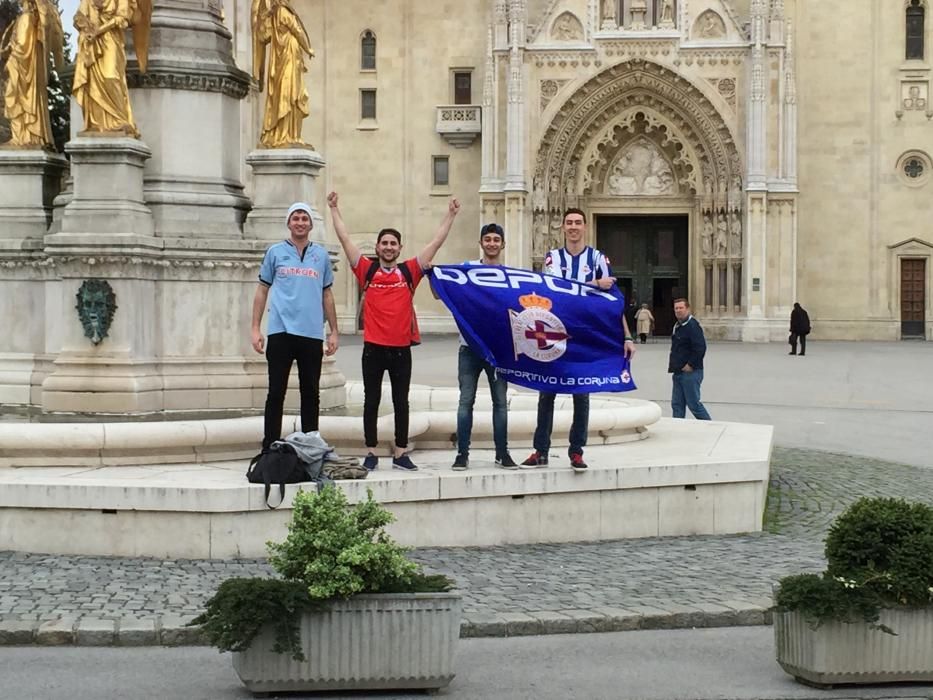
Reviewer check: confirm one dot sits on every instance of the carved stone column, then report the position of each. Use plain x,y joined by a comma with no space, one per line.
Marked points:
515,155
757,100
187,108
488,120
789,120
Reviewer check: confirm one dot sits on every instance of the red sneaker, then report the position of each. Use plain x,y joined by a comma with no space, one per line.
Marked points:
536,459
577,463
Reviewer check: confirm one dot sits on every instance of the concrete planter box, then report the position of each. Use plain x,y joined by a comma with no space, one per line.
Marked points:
369,642
837,652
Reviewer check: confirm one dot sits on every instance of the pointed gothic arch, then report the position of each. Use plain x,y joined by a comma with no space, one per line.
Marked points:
687,152
640,99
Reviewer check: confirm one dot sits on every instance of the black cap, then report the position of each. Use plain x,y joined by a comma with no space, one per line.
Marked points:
492,228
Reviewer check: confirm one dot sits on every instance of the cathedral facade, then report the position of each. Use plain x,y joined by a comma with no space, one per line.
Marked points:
746,154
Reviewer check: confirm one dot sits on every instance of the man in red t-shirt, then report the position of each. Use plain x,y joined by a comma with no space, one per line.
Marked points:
389,327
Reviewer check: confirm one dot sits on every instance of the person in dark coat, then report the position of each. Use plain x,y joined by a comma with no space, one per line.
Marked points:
631,309
799,328
688,348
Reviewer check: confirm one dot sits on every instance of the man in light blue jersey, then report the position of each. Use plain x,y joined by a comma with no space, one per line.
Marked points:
583,263
470,366
297,280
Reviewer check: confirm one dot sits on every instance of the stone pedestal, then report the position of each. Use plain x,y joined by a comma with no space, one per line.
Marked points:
281,177
187,108
108,187
29,181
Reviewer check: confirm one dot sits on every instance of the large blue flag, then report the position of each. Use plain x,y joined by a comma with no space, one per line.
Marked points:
541,331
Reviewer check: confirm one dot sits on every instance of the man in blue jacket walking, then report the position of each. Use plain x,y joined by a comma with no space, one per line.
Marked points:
688,346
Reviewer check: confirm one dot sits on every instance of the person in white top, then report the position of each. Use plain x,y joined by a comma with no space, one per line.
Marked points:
582,263
470,365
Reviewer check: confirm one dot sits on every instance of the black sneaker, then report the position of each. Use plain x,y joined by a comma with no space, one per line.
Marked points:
404,463
461,462
371,461
535,459
506,462
577,463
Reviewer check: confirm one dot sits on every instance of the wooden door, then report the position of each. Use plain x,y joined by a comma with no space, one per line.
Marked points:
913,297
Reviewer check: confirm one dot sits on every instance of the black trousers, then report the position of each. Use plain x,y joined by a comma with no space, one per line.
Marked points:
793,343
377,360
281,350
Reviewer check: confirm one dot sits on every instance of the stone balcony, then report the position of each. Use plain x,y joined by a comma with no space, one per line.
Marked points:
459,124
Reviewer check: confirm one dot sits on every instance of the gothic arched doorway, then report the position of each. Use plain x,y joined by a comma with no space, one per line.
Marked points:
653,162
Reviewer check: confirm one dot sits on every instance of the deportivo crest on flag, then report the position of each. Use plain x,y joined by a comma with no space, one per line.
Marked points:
537,332
540,331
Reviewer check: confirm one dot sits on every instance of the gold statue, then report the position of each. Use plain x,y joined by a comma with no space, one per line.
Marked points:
277,25
26,45
100,66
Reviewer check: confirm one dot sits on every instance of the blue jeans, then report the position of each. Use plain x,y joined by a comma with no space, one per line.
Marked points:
469,367
687,393
578,429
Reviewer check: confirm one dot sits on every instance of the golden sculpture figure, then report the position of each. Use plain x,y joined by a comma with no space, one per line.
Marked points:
278,30
100,66
26,46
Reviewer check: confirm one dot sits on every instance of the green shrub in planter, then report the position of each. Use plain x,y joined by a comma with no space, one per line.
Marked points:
332,551
879,554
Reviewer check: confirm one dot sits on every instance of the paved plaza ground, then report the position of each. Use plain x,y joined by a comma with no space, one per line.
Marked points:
851,419
863,397
517,590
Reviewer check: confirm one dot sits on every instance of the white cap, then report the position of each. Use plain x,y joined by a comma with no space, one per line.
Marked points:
297,206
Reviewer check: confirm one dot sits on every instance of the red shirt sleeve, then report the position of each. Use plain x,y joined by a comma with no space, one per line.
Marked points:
362,267
417,274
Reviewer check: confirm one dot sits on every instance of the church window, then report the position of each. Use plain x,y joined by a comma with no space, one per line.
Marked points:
367,104
463,88
916,15
368,51
913,168
441,171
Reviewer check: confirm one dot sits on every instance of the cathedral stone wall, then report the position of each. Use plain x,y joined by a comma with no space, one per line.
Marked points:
842,202
858,118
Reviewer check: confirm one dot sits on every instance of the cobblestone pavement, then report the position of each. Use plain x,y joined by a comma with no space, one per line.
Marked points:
656,582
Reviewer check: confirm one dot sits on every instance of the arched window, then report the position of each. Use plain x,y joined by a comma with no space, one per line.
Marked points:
915,28
368,51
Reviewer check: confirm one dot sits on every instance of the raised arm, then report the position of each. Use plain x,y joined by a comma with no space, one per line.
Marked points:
426,256
349,247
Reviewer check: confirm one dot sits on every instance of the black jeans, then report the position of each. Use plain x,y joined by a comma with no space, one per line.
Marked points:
377,360
281,350
793,343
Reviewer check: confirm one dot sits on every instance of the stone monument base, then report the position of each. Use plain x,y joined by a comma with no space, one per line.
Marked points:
29,181
281,177
107,197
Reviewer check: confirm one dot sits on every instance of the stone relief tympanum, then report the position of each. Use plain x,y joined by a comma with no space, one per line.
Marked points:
567,28
709,25
641,170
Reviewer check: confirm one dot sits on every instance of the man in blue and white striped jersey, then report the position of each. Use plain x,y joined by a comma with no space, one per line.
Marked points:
582,263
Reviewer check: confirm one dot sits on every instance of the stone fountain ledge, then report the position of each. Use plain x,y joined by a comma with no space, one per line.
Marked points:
613,419
690,477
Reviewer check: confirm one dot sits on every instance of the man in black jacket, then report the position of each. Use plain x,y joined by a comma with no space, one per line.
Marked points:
799,328
688,346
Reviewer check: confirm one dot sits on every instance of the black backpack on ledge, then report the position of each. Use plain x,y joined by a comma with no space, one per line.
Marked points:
280,465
